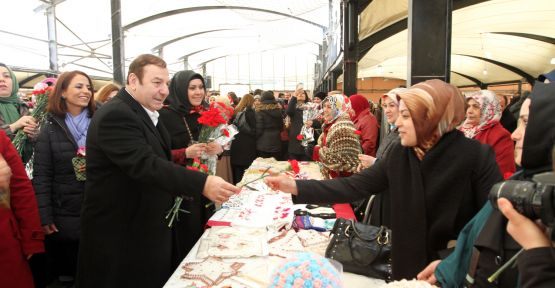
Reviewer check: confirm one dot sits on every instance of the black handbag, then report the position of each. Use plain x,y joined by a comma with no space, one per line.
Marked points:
362,249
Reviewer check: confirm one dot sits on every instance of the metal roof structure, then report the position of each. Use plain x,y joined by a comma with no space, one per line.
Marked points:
273,44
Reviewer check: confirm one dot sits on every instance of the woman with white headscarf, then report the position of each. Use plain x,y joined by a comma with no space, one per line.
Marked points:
339,145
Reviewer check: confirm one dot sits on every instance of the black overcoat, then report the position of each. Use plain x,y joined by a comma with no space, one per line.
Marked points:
59,194
431,200
243,147
131,184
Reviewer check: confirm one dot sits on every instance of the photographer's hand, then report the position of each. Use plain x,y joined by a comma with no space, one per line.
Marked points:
527,233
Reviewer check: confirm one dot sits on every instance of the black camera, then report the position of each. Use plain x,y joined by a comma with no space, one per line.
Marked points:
534,199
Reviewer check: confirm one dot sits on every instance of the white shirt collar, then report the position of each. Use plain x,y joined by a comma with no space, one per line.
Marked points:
153,115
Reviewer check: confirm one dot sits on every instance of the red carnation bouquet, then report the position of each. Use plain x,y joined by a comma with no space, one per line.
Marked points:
215,128
21,141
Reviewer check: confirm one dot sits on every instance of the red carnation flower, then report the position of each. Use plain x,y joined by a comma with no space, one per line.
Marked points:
358,132
300,137
192,168
225,132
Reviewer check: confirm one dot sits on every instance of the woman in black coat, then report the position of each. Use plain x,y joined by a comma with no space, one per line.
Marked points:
59,193
185,103
437,179
269,123
243,147
295,113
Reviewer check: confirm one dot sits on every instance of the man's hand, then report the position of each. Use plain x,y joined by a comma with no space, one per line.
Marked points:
49,229
283,183
5,174
195,150
428,274
217,190
527,233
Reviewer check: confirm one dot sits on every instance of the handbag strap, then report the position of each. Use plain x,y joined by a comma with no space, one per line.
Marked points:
368,210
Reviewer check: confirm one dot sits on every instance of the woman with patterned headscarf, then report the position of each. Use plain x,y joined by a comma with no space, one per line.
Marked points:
437,178
339,145
482,123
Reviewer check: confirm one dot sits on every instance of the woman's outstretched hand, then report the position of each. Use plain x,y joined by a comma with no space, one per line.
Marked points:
283,183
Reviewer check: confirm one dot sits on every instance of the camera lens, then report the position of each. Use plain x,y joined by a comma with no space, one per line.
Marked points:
522,194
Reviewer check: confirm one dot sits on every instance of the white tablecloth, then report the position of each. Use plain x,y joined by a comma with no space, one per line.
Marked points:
262,268
349,280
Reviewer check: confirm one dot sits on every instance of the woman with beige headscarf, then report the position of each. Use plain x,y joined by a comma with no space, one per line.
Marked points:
437,178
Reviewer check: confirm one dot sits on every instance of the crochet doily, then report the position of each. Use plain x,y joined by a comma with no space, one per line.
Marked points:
285,244
232,242
211,271
314,241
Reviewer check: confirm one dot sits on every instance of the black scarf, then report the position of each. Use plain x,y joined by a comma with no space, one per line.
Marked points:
178,100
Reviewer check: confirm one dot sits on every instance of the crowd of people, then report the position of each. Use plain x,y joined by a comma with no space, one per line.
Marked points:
104,224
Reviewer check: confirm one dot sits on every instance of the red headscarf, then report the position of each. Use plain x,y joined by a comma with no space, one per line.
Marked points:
359,104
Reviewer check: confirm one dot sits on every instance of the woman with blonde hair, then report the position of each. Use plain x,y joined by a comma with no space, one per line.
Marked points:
107,92
243,147
437,178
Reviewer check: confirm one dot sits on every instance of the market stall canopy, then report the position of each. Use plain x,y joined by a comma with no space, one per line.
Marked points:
492,42
268,44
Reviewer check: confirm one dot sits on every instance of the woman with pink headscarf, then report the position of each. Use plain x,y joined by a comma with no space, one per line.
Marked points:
482,123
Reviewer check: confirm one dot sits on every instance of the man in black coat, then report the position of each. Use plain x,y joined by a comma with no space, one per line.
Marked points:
131,184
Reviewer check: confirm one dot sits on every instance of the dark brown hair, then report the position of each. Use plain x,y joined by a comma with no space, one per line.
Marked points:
140,62
56,104
102,93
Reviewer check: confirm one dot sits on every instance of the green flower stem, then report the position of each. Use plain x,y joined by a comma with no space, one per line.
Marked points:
495,275
173,214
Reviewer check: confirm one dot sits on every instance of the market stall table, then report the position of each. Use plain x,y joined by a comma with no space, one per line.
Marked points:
251,236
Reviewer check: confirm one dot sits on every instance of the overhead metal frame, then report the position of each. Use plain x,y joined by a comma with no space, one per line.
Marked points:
511,68
478,82
204,8
161,45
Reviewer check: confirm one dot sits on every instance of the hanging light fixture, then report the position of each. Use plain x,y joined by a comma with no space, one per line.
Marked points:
552,61
485,71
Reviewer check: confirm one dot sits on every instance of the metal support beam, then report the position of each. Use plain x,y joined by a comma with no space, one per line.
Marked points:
52,38
429,33
205,8
118,62
185,62
529,78
478,82
30,78
203,70
350,46
362,4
